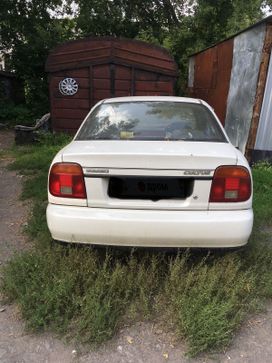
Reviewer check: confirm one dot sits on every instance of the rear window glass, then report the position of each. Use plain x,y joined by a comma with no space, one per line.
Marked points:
151,121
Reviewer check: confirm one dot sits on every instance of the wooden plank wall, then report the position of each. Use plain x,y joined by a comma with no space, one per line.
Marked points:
104,68
69,111
153,84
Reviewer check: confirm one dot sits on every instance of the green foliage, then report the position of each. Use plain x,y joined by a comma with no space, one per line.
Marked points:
35,159
34,187
28,29
73,288
262,178
31,161
209,299
12,114
224,18
46,298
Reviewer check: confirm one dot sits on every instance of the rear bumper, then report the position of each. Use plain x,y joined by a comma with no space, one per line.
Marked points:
149,228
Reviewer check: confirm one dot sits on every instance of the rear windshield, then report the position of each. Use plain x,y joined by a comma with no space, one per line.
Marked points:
151,121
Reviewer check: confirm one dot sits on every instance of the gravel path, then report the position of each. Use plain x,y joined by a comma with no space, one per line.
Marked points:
143,342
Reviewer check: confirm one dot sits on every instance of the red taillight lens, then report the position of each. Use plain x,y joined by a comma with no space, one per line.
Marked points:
66,180
230,184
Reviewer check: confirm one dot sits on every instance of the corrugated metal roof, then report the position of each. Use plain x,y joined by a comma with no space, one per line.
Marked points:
268,19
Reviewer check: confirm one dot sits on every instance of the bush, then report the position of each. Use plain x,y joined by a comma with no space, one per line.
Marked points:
12,114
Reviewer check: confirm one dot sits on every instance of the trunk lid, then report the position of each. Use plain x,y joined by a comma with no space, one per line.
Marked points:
102,160
150,154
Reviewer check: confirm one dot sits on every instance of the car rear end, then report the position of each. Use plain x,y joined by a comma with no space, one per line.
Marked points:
150,191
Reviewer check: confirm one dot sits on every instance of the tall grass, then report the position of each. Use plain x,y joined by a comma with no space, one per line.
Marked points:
202,296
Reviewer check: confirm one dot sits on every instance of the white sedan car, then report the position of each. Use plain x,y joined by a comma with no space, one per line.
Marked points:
151,172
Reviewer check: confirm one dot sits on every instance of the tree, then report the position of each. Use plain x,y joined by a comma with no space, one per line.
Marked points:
129,17
29,31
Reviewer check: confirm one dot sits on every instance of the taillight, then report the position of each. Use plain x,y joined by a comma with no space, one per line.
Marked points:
230,184
66,180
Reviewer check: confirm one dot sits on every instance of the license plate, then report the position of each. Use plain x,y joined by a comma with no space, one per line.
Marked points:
146,188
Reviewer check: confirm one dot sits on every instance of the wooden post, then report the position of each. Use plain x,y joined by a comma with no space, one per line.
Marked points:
132,86
112,79
91,98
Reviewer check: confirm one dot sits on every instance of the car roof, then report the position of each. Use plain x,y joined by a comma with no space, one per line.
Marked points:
152,98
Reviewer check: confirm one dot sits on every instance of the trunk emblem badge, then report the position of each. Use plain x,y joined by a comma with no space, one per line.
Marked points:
97,171
197,172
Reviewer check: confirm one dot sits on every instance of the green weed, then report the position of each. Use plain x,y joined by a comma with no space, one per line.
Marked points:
208,299
262,174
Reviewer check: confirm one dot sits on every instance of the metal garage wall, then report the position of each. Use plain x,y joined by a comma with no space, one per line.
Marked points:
191,72
209,76
264,134
246,61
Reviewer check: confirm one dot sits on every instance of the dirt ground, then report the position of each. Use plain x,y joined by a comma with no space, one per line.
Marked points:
143,342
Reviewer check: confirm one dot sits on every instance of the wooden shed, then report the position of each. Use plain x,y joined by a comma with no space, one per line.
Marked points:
85,71
235,77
